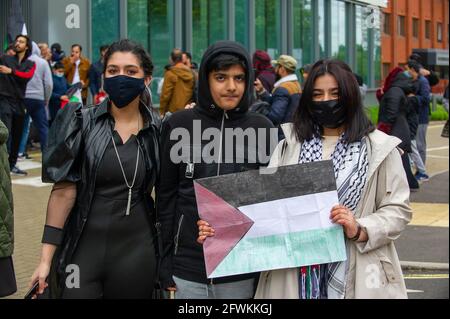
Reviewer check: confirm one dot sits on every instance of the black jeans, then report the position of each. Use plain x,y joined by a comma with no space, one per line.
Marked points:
12,115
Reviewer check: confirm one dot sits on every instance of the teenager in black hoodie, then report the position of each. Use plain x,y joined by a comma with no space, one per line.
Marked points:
225,92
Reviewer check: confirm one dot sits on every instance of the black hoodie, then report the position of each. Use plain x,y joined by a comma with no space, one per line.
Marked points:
13,86
177,208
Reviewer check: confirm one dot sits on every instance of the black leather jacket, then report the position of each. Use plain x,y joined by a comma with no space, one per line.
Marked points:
77,142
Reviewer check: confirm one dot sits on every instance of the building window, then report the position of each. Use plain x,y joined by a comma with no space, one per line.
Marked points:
151,24
321,14
377,55
401,26
387,24
241,18
338,34
428,29
303,32
415,27
105,24
362,44
267,26
138,24
439,32
208,25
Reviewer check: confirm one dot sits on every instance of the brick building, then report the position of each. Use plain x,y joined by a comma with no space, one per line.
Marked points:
416,25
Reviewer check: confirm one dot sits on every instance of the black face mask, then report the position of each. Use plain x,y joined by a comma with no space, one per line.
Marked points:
122,89
329,114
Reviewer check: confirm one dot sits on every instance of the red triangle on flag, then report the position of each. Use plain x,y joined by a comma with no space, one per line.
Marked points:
229,223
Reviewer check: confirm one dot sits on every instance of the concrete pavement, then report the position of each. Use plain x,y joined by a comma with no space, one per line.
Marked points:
424,245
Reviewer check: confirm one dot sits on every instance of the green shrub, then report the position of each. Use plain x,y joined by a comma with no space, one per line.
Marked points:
372,113
439,115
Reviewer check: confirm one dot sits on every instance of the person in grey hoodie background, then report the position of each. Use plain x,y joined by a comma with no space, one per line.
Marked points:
37,97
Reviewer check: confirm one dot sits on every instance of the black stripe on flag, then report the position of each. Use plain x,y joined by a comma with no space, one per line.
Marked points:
252,187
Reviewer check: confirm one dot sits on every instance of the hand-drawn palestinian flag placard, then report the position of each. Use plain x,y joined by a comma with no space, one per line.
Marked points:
266,221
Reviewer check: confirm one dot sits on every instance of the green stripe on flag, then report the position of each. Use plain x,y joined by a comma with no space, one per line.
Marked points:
292,250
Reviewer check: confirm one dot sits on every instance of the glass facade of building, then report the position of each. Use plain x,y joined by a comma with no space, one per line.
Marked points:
208,25
105,29
303,20
267,26
242,26
150,23
338,31
306,29
362,45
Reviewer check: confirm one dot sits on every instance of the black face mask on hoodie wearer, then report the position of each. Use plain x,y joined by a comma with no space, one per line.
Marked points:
204,99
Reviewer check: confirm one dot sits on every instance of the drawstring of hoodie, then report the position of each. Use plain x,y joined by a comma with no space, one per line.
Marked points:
225,115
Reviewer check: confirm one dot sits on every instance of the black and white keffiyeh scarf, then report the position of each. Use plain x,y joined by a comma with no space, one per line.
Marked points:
350,168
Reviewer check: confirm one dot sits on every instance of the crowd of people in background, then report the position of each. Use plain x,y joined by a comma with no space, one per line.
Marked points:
45,80
405,113
58,78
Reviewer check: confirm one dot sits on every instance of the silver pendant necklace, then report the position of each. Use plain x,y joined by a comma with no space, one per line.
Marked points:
130,187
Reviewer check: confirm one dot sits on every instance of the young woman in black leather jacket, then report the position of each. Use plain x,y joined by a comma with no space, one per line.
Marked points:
99,238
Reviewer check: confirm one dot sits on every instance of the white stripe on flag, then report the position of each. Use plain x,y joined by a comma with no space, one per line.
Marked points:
290,215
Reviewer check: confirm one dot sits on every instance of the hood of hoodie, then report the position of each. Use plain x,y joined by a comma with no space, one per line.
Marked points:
403,82
204,98
35,50
388,82
262,61
183,73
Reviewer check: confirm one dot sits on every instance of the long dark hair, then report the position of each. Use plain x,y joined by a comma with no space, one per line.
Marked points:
138,50
357,124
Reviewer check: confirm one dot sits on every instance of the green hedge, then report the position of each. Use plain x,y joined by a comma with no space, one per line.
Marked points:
439,115
372,113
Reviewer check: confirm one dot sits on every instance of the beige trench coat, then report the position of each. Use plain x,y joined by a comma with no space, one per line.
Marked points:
383,212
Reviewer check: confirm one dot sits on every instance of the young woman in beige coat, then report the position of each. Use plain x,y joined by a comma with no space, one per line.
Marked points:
373,192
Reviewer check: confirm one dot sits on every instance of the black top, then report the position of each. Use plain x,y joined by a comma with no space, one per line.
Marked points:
110,182
13,86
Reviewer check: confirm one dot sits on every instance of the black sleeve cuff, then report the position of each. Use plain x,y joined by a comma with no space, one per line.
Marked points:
52,235
167,284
